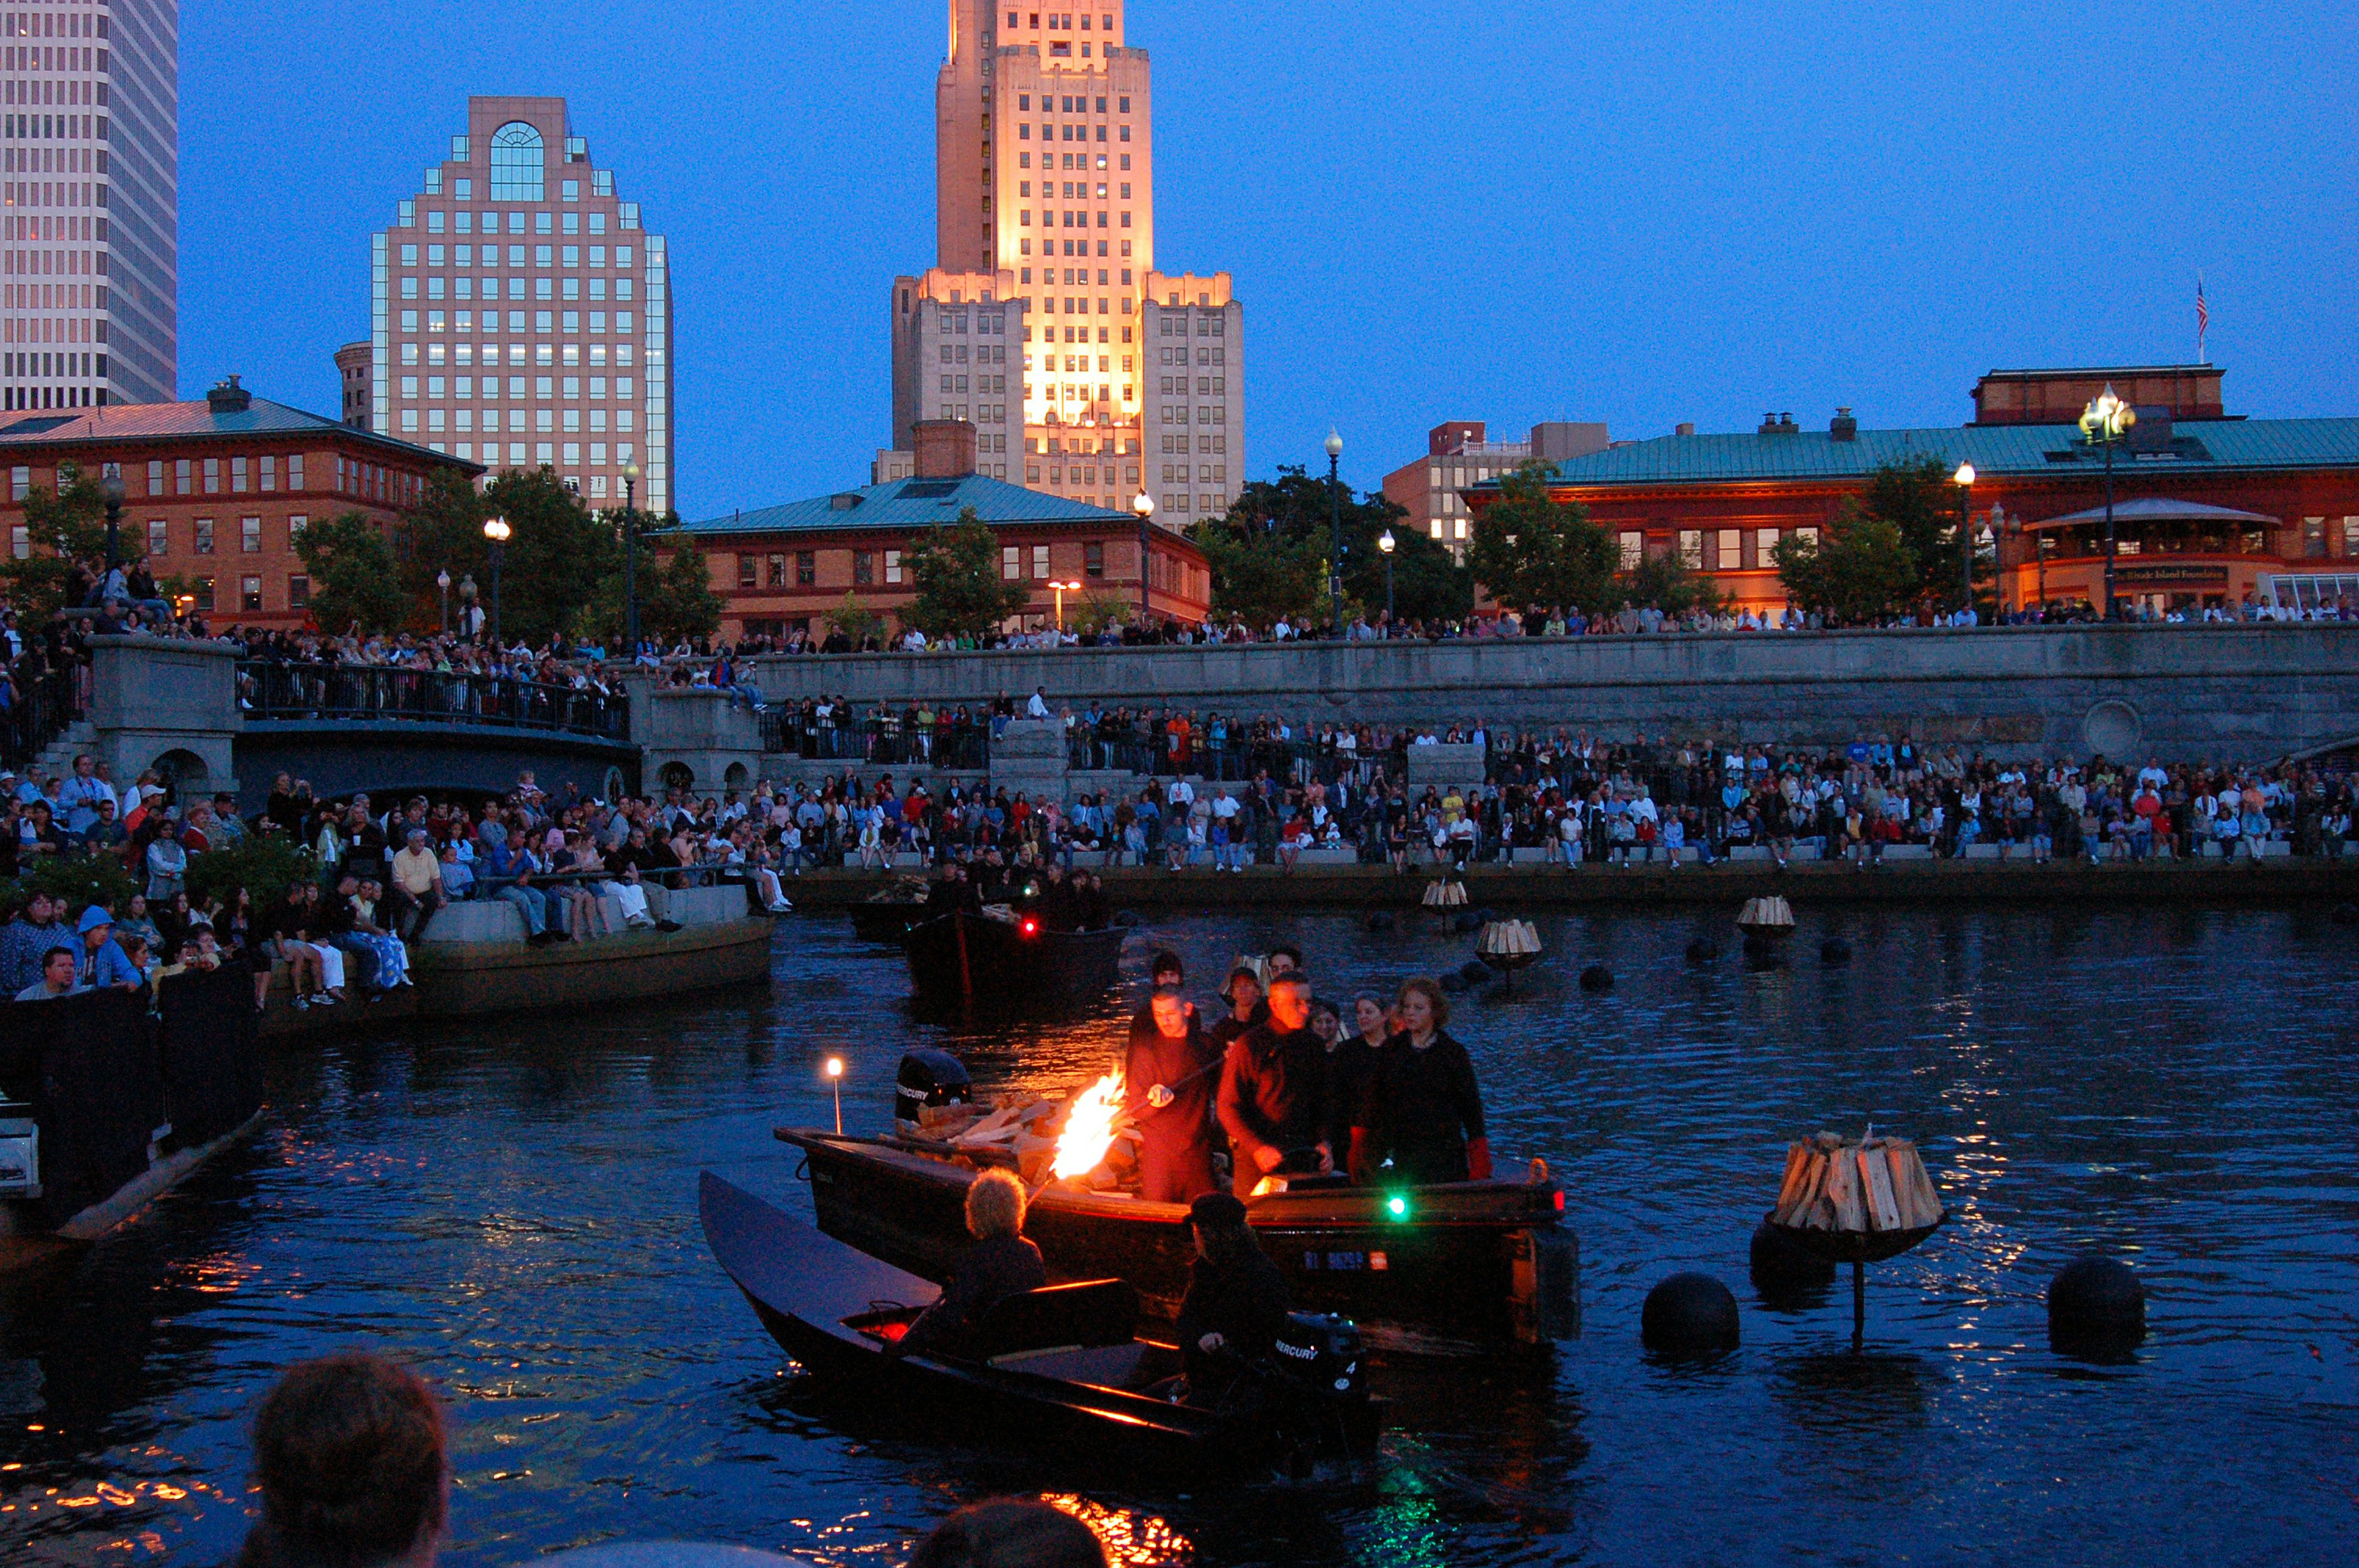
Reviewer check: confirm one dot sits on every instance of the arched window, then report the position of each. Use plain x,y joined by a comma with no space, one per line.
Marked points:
516,163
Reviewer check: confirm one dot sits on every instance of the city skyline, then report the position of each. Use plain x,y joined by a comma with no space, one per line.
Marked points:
1658,220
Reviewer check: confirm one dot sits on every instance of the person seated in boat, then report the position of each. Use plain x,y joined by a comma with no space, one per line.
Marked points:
1273,1098
1169,1075
1419,1106
1236,1303
1002,1262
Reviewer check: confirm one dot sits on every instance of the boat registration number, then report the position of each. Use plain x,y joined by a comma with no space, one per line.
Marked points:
1345,1262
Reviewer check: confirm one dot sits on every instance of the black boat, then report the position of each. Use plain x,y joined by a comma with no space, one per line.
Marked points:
887,916
973,960
1062,1364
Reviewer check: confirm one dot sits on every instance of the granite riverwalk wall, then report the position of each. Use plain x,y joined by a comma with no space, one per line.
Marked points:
2217,693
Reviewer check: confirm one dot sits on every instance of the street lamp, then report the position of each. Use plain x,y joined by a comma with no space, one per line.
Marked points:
443,584
1387,545
111,488
631,557
498,532
2104,424
1063,589
1142,505
1964,478
1336,519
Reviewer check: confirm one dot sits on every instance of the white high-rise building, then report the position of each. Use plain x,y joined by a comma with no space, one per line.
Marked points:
89,272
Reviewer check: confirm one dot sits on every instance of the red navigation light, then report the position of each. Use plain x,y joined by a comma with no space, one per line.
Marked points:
1031,928
1560,1200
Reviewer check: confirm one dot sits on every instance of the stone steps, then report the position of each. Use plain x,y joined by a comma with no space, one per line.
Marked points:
57,758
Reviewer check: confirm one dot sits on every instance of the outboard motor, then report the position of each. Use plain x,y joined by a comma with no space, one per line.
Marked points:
1323,1352
928,1080
1317,1394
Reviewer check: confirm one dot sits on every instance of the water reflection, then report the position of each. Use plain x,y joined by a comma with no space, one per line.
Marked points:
509,1207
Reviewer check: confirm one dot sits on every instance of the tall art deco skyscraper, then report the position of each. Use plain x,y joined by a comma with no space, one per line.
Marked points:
1045,323
520,314
90,272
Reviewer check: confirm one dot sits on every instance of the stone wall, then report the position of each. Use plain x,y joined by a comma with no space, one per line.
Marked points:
2222,693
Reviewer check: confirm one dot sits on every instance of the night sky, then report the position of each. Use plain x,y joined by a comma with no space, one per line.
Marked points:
1514,210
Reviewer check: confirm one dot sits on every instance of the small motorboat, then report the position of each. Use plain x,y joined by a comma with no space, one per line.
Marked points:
1013,962
1062,1364
886,915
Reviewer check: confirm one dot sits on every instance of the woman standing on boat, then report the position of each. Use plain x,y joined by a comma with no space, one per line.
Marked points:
1421,1107
1170,1073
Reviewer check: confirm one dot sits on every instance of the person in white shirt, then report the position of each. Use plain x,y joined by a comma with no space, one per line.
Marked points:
1039,707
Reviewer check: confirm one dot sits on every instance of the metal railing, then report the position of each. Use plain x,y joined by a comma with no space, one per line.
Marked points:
876,739
40,711
268,690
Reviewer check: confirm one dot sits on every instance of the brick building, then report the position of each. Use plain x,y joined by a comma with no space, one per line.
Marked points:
2209,507
784,568
1460,453
217,490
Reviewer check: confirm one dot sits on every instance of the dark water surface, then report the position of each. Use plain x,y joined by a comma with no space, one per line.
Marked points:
511,1209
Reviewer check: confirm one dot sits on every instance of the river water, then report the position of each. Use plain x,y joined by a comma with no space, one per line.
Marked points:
510,1208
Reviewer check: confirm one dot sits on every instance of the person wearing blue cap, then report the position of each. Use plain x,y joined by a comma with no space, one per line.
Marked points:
103,961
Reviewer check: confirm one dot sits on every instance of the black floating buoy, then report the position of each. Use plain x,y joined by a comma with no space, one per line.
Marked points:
1597,978
1452,982
1127,918
1382,920
1467,923
2096,1306
1474,971
2345,914
1780,1263
1689,1315
1702,950
1834,951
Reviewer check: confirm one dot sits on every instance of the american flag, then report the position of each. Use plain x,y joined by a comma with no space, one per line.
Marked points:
2202,314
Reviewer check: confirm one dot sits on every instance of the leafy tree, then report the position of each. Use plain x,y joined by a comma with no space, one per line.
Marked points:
959,589
1858,571
555,558
78,879
1428,582
676,600
1920,500
1669,584
265,864
1096,611
856,619
66,527
1258,574
1533,552
353,575
1270,553
443,533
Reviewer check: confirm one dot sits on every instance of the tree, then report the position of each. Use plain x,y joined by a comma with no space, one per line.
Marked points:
1428,582
1920,500
1667,582
960,592
354,579
66,527
1855,574
1095,610
555,558
445,532
1258,574
1270,553
1535,553
856,619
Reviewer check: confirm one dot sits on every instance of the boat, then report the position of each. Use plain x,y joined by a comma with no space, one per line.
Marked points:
1468,1267
1062,1365
887,915
1013,962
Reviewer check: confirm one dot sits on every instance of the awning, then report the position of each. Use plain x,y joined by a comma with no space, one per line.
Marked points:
2154,509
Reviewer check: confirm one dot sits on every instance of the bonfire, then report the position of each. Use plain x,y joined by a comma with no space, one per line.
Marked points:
1089,1128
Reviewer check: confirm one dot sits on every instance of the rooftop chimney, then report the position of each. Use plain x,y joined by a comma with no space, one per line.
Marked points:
1684,427
945,449
1768,424
1845,428
229,398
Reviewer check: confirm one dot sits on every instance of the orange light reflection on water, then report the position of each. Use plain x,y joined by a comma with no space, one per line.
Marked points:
1132,1540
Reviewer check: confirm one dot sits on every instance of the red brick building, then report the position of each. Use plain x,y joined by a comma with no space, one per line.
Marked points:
217,490
2179,480
784,568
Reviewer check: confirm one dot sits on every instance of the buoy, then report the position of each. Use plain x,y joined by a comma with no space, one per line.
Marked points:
1382,920
1468,922
1689,1315
1761,953
1702,950
1452,982
1474,971
2096,1306
1779,1263
1834,951
2346,915
1597,978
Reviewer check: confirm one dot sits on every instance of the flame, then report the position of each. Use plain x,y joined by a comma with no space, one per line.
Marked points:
1089,1128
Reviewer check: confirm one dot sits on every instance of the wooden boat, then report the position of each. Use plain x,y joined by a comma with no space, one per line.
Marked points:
1465,1268
887,916
1064,1364
960,959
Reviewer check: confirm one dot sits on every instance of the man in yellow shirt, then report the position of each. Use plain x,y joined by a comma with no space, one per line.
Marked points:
416,891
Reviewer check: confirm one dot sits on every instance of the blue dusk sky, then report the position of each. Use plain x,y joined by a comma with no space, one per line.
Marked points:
1514,210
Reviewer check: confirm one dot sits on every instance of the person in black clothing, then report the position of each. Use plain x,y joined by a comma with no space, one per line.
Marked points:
1421,1107
1273,1096
1351,1061
1235,1306
1242,993
1002,1262
1056,903
1169,1073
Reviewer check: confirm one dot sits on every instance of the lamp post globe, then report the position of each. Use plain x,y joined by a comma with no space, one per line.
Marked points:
1387,545
631,557
1142,505
1964,480
496,533
2103,422
442,587
1335,527
111,488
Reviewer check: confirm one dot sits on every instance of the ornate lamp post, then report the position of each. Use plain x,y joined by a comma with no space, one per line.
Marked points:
1144,505
1387,545
111,488
1335,521
1063,589
2104,423
631,557
498,532
442,585
1964,478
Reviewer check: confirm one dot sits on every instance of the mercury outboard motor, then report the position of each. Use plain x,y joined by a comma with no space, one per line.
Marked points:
1323,1352
1317,1393
928,1079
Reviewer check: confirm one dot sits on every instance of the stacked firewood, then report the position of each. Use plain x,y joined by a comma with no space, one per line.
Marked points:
1872,1186
1446,893
1018,1132
1506,938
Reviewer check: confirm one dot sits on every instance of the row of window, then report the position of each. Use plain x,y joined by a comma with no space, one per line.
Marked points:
1067,103
1061,22
1174,444
542,223
1073,248
70,25
203,476
543,256
1063,477
1206,386
984,353
987,323
569,321
1210,505
202,535
983,384
1203,356
543,421
1067,190
543,386
1206,414
548,288
1206,473
544,454
541,354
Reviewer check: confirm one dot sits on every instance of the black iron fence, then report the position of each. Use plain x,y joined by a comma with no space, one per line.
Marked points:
39,709
876,738
373,692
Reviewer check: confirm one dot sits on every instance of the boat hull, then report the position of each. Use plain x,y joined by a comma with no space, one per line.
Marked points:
962,959
1476,1268
883,920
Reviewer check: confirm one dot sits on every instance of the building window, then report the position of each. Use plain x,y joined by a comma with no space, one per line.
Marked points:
180,476
204,594
1011,562
1094,558
1633,549
516,163
805,569
1729,545
204,535
863,569
777,571
155,476
249,535
249,593
1691,548
1764,544
892,567
748,572
212,476
270,473
294,526
295,472
1040,563
160,537
299,592
238,475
